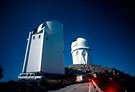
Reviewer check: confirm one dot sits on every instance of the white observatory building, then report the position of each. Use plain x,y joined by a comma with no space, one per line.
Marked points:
81,52
45,49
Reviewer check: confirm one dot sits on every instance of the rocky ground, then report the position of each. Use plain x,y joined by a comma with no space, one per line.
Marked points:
108,79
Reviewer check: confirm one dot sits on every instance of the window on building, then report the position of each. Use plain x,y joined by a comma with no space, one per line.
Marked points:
32,74
39,36
46,38
28,75
33,37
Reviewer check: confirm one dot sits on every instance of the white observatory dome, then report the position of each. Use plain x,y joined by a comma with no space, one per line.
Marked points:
82,43
80,51
40,27
79,43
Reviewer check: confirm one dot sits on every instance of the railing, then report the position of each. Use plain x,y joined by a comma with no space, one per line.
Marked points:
97,88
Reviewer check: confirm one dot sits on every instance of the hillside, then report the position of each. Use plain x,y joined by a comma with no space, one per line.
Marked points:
106,78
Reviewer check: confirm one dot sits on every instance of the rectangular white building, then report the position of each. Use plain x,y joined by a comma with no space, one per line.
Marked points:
45,49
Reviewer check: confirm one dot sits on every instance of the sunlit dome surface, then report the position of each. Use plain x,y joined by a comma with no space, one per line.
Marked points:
39,28
81,42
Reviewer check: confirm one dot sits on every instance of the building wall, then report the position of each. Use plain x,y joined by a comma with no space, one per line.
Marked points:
81,56
34,58
27,53
53,52
75,57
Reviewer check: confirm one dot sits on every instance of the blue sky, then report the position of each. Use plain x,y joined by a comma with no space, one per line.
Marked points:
108,26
